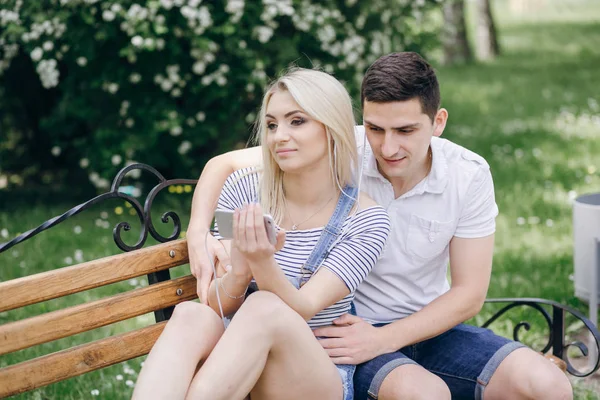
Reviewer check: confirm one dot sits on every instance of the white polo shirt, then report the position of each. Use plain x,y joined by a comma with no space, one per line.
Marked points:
455,199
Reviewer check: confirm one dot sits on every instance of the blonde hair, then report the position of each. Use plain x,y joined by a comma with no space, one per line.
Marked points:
324,99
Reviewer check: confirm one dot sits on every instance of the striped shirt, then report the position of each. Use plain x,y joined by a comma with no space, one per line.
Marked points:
361,243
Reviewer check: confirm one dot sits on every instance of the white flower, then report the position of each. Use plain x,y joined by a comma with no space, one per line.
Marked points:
549,223
132,282
48,45
191,122
84,163
129,122
166,85
104,215
221,81
129,383
137,41
167,4
533,220
3,181
116,159
115,8
77,229
119,377
36,54
206,80
4,233
199,67
113,88
48,73
519,153
108,15
94,392
264,33
135,77
184,147
176,92
176,131
520,221
82,61
78,255
68,260
148,43
160,43
56,151
200,116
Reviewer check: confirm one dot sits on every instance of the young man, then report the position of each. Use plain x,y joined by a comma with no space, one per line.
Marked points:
408,338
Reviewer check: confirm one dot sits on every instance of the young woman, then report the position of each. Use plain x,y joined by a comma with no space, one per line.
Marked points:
333,237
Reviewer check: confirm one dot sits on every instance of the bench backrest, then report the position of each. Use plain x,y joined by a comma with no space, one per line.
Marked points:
18,335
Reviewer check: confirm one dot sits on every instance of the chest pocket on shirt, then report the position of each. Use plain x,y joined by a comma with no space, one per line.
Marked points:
427,238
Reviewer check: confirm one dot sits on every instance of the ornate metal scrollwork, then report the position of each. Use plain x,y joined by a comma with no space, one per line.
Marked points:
143,214
555,323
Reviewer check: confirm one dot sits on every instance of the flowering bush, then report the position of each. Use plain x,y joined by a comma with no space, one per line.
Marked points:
89,86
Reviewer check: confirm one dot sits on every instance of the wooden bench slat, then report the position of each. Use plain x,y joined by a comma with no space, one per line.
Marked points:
68,280
78,360
70,321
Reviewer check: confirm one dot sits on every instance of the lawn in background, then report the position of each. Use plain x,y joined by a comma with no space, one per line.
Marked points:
534,114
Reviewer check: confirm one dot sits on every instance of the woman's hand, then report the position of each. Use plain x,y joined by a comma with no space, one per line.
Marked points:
250,235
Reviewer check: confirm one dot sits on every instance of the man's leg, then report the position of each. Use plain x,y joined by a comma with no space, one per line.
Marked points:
395,376
472,360
525,374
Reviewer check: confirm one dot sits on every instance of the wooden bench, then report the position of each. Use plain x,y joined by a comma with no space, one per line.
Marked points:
70,321
160,296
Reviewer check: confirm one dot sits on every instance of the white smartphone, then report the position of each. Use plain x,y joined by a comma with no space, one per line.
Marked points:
224,219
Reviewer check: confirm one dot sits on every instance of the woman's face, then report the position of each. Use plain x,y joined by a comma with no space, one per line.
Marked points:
295,140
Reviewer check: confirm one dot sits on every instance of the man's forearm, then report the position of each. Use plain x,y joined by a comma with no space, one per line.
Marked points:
452,308
206,194
213,177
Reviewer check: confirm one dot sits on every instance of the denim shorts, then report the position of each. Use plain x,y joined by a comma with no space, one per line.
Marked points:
465,357
347,374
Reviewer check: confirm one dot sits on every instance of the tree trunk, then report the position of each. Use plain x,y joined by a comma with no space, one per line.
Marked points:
454,35
486,40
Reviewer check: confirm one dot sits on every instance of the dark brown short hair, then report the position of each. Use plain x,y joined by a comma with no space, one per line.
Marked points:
400,77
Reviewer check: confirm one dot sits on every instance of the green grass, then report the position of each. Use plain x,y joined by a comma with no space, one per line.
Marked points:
85,237
533,113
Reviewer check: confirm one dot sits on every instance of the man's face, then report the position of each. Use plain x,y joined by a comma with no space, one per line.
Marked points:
399,134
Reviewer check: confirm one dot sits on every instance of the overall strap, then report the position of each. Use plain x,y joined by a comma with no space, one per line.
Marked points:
332,230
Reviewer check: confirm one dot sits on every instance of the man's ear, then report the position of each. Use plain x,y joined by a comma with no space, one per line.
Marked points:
439,122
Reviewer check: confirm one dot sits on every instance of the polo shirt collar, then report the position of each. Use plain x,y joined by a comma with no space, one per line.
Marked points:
435,182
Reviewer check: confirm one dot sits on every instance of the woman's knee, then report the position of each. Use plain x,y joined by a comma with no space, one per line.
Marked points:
194,317
268,312
411,382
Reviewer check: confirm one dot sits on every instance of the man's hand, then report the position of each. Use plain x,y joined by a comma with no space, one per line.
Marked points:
351,340
200,261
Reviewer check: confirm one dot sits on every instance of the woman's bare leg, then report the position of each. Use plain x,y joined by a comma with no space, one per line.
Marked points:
270,350
188,338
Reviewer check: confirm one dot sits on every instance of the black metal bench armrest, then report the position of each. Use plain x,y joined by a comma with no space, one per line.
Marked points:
556,325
